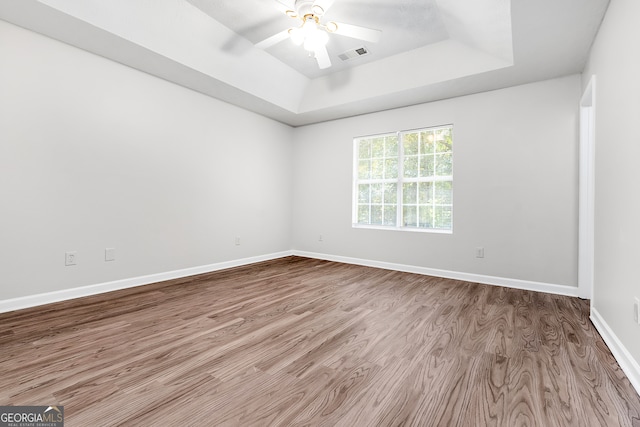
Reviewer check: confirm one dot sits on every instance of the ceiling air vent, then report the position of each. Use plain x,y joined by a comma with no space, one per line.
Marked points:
354,53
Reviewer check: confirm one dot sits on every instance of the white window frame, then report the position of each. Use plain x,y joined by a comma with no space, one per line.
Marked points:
399,181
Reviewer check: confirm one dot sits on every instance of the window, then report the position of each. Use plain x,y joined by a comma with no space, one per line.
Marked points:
404,180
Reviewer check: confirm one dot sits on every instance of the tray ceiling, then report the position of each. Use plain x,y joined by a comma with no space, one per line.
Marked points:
429,50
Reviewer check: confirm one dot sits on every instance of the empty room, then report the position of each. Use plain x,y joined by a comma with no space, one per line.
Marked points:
319,212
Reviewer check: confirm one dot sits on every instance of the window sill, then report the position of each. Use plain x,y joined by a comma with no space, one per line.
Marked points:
408,229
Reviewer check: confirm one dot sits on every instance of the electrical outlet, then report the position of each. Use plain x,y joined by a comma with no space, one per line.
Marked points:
479,252
70,258
110,254
636,311
320,238
237,241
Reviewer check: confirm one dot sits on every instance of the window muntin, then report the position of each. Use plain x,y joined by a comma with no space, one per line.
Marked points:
404,180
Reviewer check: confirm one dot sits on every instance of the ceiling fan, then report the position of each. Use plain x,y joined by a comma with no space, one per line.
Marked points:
311,33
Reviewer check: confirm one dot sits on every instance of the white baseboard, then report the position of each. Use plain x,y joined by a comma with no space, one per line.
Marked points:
468,277
627,363
83,291
67,294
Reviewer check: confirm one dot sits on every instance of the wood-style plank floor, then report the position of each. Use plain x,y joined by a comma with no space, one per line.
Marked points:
297,341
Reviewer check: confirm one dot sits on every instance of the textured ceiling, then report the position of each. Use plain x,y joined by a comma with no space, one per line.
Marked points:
429,50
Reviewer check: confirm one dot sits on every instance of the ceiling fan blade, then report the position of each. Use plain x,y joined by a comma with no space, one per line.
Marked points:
356,32
320,7
284,8
273,40
322,56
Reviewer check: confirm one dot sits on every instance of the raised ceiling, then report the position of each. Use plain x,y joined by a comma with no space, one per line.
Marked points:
429,50
405,25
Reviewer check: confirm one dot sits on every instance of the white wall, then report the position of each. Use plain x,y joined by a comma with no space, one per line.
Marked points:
515,185
615,60
94,154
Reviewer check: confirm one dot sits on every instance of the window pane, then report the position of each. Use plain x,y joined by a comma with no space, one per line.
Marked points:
426,166
443,140
443,164
377,168
426,216
410,193
364,169
391,168
390,214
443,217
411,166
377,148
443,147
444,192
409,218
391,146
364,149
363,214
376,193
376,214
391,193
426,142
410,144
425,193
363,193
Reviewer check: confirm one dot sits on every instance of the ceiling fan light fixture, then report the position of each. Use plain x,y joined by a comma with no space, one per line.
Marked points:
315,40
311,35
310,25
296,36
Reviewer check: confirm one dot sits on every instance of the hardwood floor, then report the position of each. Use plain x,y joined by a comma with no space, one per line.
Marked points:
297,341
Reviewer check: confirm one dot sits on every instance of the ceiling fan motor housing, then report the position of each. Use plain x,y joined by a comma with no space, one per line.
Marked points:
306,7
